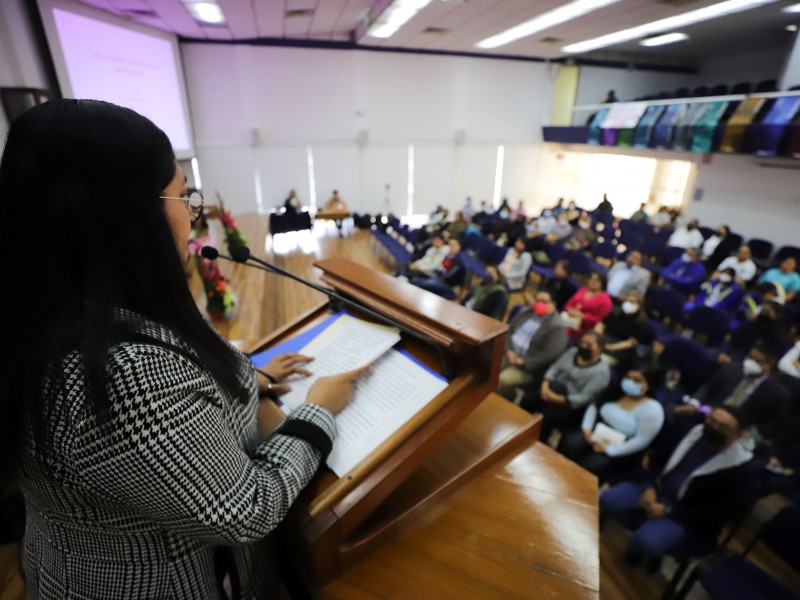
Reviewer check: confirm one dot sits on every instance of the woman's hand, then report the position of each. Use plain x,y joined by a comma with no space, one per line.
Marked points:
284,365
334,392
587,435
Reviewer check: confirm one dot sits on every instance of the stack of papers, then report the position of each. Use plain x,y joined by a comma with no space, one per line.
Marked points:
396,388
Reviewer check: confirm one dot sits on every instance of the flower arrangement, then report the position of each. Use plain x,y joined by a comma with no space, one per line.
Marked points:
233,237
220,298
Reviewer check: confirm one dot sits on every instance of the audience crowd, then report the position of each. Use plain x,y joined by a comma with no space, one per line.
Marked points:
663,356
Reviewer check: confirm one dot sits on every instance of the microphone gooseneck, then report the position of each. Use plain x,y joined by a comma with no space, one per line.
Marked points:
242,254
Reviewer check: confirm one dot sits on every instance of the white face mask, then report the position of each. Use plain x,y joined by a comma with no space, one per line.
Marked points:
752,368
629,307
686,258
725,278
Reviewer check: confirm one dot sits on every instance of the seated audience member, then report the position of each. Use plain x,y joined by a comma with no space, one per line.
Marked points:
519,211
335,202
448,275
505,208
576,379
713,242
582,233
702,485
558,208
723,293
661,218
457,227
560,286
516,265
751,386
292,202
628,275
727,246
640,216
767,326
685,273
752,302
636,416
686,237
742,264
629,335
469,210
437,219
431,260
786,276
789,367
545,223
490,296
561,230
536,337
605,206
590,305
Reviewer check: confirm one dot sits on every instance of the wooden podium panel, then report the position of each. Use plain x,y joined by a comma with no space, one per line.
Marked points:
524,527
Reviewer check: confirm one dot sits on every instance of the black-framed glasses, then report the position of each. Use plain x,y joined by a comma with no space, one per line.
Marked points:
192,200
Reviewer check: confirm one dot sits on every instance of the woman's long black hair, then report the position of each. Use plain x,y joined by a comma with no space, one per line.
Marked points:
83,233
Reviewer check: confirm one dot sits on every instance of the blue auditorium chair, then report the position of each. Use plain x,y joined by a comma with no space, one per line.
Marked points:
710,322
761,250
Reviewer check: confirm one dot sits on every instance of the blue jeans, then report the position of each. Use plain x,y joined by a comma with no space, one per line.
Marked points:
652,537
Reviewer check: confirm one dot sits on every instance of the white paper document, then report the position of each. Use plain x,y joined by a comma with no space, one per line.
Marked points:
383,400
606,435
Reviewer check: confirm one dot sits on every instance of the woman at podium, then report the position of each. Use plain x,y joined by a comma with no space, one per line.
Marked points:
130,425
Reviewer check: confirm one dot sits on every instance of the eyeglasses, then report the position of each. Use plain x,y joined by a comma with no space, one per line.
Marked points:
193,201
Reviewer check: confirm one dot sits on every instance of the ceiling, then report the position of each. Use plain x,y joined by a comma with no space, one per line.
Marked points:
462,23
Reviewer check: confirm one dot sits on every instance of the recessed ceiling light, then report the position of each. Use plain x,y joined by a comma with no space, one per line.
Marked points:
394,16
791,28
794,8
562,14
662,40
682,20
206,12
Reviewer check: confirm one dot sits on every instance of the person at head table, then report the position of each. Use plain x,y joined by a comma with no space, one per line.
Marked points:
292,202
335,202
126,420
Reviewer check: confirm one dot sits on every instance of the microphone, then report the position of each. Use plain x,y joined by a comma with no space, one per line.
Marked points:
242,254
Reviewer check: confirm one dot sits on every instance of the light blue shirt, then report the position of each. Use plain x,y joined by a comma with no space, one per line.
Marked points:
789,281
617,280
640,425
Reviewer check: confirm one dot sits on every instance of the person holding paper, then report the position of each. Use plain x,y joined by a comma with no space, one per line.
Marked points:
129,424
616,435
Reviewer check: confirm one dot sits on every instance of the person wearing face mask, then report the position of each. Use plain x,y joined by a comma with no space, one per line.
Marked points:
750,385
661,218
705,482
516,264
713,242
576,379
628,275
635,415
723,293
582,233
546,222
490,296
686,237
766,325
536,337
590,305
629,334
561,229
685,273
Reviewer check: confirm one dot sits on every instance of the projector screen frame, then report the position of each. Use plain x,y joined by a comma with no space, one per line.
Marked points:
58,59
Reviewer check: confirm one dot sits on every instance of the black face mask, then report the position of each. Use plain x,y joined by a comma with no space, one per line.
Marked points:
713,438
585,352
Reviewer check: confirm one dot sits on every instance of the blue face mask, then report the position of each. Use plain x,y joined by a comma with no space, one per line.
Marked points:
631,388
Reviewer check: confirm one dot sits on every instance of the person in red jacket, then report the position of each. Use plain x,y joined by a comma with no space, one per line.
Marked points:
590,305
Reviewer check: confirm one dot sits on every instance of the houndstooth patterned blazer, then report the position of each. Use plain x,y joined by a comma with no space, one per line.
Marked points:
134,509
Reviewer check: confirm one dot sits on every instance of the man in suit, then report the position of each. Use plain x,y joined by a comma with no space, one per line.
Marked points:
625,277
706,481
752,386
536,337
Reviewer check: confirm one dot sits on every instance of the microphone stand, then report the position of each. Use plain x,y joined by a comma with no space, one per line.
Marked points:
270,268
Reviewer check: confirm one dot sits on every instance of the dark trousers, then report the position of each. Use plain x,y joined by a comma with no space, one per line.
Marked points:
554,416
574,446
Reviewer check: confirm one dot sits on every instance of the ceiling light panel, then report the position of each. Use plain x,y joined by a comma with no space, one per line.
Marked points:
562,14
397,14
206,12
663,40
682,20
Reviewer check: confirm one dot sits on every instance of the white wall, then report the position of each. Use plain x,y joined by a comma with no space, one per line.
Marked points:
296,98
752,200
20,65
595,82
790,74
751,66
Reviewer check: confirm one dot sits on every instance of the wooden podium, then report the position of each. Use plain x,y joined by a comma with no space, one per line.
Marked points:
336,521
